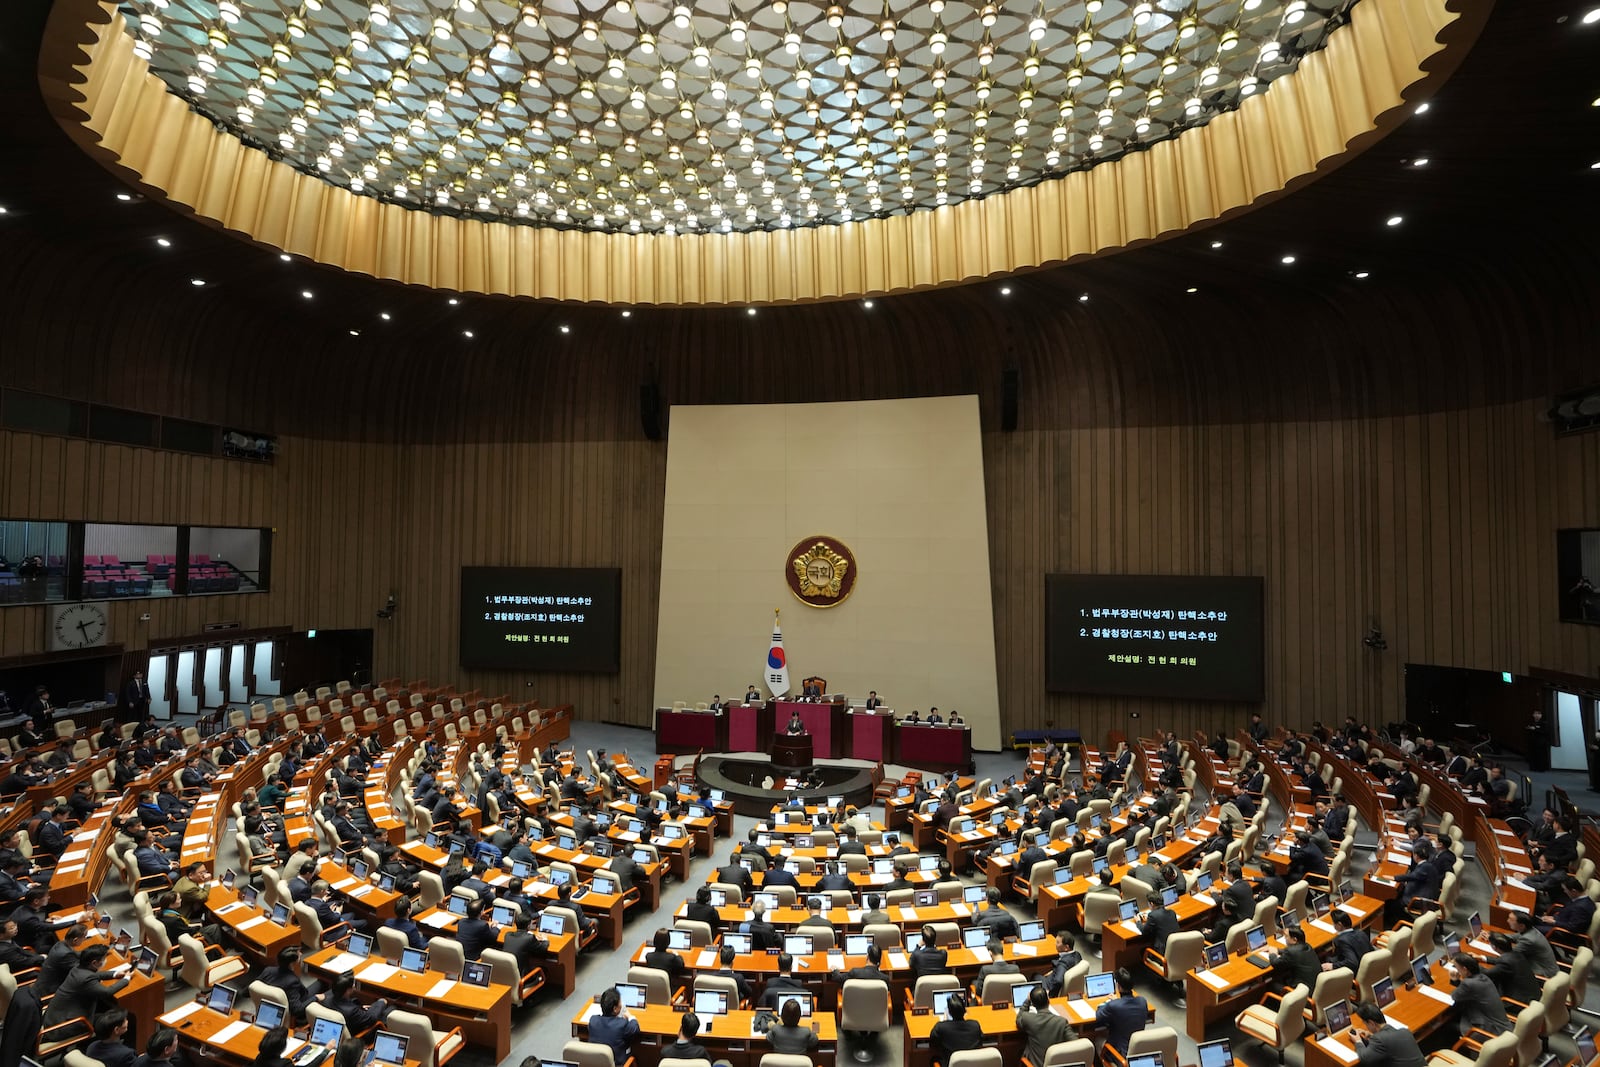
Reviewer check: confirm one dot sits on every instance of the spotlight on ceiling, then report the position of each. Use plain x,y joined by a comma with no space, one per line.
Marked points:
197,281
163,242
1394,220
125,197
1287,261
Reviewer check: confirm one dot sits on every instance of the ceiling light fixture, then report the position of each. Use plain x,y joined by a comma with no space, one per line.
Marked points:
306,293
1394,220
453,301
1362,274
1083,298
467,334
566,329
1421,162
1287,261
1422,108
1591,16
286,257
867,304
355,333
124,197
163,242
1216,244
404,138
749,311
1005,290
197,281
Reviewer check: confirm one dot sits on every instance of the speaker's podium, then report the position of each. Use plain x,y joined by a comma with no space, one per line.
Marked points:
791,752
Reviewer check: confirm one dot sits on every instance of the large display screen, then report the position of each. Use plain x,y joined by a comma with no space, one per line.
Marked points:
1149,635
541,618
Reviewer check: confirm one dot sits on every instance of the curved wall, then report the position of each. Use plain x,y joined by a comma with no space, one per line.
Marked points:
1375,455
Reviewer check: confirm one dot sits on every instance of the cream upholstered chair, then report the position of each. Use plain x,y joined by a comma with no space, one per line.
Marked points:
783,1059
974,1057
865,1009
719,982
1374,968
1498,1051
430,1047
1078,1050
1332,987
1277,1029
204,966
922,995
590,1054
673,1061
997,988
261,992
1185,952
1162,1039
75,1058
657,984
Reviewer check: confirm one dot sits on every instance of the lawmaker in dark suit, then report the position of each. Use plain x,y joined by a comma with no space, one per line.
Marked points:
1383,1044
1348,945
529,948
1298,963
85,992
662,958
782,982
137,696
109,1029
955,1034
1477,1001
1124,1015
725,956
1041,1026
929,958
763,935
286,976
474,933
1159,924
700,909
868,972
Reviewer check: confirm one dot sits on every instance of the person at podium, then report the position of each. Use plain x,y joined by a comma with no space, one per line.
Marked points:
873,703
752,695
934,718
796,727
811,691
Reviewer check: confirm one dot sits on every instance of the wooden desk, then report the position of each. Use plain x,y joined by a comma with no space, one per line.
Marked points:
214,1036
725,1037
258,937
1418,1011
483,1014
999,1028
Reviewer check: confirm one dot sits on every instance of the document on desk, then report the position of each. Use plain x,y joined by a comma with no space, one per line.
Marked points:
1351,909
345,883
908,914
441,989
250,923
1437,994
178,1014
1206,899
961,908
853,915
228,908
1212,979
1130,926
1324,925
1020,949
707,958
897,960
1339,1050
1080,1011
1483,946
376,972
438,920
229,1032
1398,857
361,891
75,854
343,962
982,955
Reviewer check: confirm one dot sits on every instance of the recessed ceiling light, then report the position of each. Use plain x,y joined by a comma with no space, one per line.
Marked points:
1216,244
384,315
867,304
1394,220
1286,260
1595,165
1591,16
124,197
355,333
467,334
2,211
307,293
1192,289
286,257
163,242
566,329
626,313
197,281
453,301
1595,102
1362,273
1422,108
1005,290
749,311
1083,298
1423,162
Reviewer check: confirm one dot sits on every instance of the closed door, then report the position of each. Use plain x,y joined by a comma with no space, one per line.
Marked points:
212,693
186,684
238,689
158,675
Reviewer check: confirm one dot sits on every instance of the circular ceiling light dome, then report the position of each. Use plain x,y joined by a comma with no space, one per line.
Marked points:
647,117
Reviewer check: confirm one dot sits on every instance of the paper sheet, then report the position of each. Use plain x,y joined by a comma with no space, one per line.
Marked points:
438,920
1324,926
441,989
376,972
982,955
707,958
897,961
249,923
1080,1011
343,962
1340,1051
176,1015
961,908
1212,979
1020,949
229,1032
1351,909
1131,927
1437,994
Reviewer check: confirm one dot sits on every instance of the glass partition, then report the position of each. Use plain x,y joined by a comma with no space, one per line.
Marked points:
122,560
33,561
225,559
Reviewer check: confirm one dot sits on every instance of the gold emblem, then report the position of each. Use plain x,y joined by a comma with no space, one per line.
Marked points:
822,571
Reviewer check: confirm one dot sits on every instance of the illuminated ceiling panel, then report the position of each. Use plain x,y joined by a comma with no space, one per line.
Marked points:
646,117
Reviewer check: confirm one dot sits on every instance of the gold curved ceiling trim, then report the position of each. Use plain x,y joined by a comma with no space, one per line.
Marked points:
1341,99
